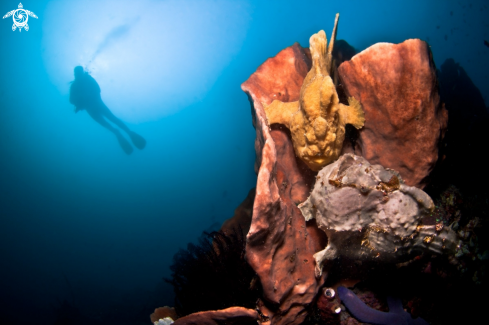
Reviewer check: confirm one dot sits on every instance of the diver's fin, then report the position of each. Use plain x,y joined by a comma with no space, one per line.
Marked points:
125,145
353,114
137,140
279,112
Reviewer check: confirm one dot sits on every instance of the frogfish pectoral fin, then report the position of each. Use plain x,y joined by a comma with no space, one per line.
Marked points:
353,113
280,112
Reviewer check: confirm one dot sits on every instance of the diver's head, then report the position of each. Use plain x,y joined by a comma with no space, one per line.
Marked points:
79,71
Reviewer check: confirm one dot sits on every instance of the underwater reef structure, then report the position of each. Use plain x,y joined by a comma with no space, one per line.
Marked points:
404,117
163,313
228,316
280,244
351,214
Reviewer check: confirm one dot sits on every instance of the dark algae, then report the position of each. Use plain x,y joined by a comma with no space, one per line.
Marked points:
213,274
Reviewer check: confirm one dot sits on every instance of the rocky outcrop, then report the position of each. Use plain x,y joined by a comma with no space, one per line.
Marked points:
275,79
228,316
280,244
404,118
163,312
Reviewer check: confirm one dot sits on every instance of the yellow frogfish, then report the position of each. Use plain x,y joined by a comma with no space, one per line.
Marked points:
317,121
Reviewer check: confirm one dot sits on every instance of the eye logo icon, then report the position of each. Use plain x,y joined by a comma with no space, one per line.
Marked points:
20,17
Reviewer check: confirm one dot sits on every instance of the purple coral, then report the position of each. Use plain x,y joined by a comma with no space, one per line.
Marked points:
395,316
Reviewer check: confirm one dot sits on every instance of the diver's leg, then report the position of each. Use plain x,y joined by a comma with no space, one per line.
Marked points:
97,116
111,117
136,139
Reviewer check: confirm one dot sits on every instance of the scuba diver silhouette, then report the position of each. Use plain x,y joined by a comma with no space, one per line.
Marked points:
85,95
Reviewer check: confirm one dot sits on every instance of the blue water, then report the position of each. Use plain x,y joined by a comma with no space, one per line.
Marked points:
79,219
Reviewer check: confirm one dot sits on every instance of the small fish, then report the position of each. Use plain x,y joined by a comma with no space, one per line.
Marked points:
486,43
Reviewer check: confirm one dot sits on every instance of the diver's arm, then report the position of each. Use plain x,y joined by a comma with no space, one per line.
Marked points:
75,97
78,105
72,99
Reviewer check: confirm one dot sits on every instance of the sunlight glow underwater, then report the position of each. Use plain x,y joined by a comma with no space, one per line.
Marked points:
150,58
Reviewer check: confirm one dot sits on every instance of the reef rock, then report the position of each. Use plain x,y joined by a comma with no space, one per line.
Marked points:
278,78
368,212
404,118
317,120
162,313
231,316
329,306
280,244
